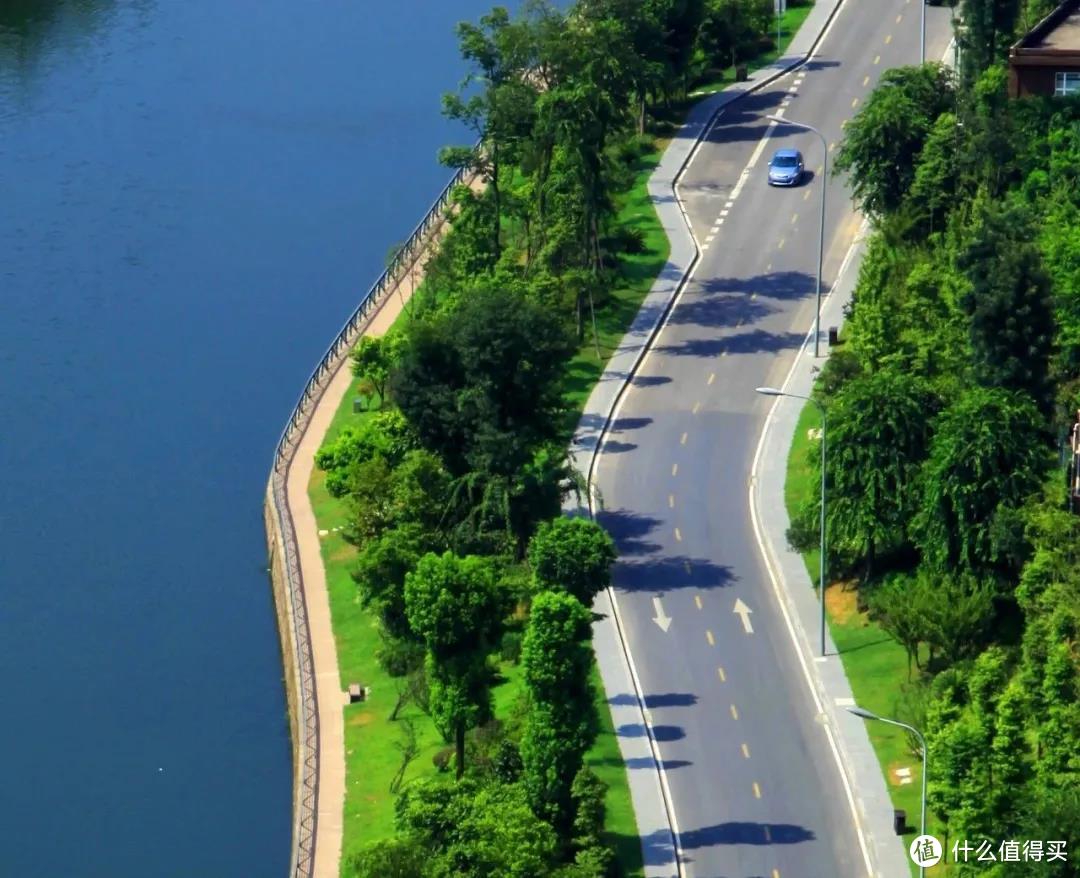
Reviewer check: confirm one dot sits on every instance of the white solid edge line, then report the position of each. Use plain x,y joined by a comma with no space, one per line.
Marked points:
614,416
781,596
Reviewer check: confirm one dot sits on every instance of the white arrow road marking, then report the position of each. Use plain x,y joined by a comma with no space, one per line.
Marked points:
661,618
743,611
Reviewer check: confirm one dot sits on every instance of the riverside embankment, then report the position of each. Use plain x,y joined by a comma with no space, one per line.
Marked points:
298,576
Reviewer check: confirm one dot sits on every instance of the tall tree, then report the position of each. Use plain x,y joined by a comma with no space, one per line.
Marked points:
933,189
480,384
879,435
401,856
988,452
989,28
561,724
381,567
470,830
881,146
499,113
587,105
456,605
372,359
572,555
1009,303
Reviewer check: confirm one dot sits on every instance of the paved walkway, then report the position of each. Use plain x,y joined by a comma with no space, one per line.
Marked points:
828,683
330,691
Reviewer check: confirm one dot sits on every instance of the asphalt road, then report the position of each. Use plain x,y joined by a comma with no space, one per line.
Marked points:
755,788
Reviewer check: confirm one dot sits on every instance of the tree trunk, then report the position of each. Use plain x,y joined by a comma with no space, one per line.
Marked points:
595,332
459,746
495,197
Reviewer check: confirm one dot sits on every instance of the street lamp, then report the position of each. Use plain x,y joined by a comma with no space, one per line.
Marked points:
866,714
780,120
772,391
922,35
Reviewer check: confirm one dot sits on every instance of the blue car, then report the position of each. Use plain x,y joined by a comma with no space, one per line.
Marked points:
786,168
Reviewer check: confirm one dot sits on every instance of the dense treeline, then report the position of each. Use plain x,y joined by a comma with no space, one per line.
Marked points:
948,406
455,485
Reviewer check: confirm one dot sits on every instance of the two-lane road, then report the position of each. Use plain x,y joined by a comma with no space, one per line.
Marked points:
755,788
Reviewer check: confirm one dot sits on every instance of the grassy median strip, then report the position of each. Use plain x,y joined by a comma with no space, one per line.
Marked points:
875,664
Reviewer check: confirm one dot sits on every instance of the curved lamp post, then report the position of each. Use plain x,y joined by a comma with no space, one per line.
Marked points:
773,391
922,35
866,714
780,120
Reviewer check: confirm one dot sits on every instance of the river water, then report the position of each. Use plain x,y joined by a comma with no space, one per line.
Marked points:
193,194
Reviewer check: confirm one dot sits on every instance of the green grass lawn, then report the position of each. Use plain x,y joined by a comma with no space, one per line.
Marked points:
875,664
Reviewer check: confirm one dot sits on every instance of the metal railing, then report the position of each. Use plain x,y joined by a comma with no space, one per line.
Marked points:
406,259
306,793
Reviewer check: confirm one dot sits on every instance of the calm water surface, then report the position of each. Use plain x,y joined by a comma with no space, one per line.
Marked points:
192,196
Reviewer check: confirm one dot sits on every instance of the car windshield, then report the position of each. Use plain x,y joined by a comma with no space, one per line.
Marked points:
784,161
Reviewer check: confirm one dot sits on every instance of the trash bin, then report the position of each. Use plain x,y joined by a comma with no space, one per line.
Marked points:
740,73
899,821
834,336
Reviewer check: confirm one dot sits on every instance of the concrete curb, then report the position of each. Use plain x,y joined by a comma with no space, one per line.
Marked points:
848,736
656,820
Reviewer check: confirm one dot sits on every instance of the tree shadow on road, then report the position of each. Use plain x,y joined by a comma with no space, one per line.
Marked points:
667,699
784,285
629,530
744,833
664,574
660,733
754,342
643,762
719,309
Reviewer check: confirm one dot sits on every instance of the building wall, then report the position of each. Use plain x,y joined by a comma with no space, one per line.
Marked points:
1028,81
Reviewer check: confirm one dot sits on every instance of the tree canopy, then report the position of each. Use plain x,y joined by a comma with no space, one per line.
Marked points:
574,555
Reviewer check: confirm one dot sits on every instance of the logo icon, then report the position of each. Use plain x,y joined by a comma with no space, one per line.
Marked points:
925,851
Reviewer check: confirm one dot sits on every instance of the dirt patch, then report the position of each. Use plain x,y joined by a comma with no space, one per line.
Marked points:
359,717
842,602
346,553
